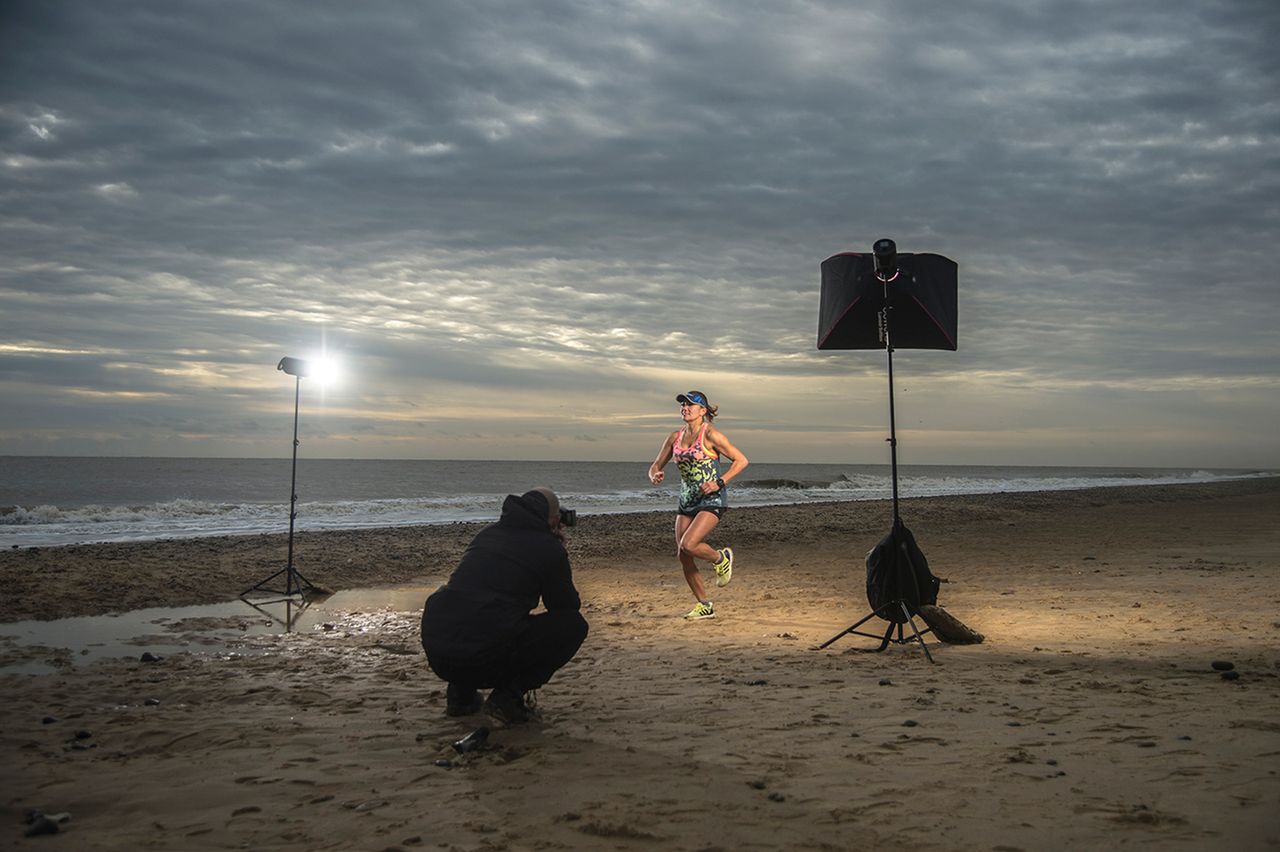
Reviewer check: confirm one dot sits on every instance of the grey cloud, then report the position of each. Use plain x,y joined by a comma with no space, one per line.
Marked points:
509,196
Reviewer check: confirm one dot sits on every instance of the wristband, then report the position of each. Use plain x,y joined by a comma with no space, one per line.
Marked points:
720,482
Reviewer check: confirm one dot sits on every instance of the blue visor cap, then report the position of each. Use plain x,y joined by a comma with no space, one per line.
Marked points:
694,398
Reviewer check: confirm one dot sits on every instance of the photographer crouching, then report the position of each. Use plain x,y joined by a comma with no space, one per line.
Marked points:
478,629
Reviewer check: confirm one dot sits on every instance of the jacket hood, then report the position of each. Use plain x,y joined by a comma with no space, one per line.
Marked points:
528,511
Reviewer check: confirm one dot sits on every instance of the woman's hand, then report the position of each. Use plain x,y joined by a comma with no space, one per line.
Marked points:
710,487
657,470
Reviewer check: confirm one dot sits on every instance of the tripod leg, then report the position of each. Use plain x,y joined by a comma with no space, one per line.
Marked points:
849,629
853,628
294,583
298,584
914,632
262,585
888,632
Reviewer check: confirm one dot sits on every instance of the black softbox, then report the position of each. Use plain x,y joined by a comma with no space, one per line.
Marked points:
922,296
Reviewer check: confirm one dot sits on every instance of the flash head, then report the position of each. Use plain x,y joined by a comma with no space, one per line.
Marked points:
885,253
294,367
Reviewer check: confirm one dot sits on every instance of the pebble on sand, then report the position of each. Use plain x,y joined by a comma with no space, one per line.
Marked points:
38,823
41,825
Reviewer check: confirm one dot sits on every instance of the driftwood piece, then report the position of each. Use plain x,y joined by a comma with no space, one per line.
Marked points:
947,627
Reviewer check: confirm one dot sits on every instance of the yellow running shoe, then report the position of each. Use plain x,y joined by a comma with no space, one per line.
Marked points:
724,568
702,610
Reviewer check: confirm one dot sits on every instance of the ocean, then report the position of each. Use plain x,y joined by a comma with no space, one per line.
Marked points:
50,501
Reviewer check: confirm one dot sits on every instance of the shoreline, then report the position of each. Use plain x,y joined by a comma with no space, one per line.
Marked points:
49,523
95,579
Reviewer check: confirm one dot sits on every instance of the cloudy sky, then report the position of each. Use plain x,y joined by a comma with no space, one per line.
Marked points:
523,227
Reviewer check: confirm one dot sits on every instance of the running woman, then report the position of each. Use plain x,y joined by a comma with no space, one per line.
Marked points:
697,448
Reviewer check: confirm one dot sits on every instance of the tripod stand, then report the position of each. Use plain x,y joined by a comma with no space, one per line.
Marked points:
294,582
898,586
896,611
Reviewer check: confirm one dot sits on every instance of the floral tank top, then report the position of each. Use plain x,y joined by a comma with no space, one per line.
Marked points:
697,465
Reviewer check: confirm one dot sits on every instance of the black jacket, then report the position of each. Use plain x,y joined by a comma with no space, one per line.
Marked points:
505,570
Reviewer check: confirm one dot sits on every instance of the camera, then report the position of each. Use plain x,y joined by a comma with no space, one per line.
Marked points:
568,518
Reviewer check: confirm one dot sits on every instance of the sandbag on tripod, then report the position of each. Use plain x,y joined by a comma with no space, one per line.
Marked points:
898,571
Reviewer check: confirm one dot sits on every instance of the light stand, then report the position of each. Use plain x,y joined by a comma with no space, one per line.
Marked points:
895,610
294,582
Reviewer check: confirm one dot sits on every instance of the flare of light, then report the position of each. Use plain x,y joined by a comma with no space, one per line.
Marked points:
325,370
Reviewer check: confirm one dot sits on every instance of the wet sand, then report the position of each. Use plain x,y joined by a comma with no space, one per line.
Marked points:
1090,717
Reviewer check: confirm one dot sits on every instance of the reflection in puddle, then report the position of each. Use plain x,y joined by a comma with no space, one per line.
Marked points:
39,647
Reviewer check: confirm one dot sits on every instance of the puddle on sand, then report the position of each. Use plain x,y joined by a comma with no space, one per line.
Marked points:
40,647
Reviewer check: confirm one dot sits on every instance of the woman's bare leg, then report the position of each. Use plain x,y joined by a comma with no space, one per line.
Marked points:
690,544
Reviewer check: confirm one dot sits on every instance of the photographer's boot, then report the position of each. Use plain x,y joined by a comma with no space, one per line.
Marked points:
506,705
461,700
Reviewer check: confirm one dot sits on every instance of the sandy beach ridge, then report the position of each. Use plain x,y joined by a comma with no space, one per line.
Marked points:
1091,717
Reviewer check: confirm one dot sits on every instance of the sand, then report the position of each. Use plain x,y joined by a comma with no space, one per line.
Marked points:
1091,717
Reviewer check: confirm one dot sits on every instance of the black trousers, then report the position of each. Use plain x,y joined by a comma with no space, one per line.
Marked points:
547,641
